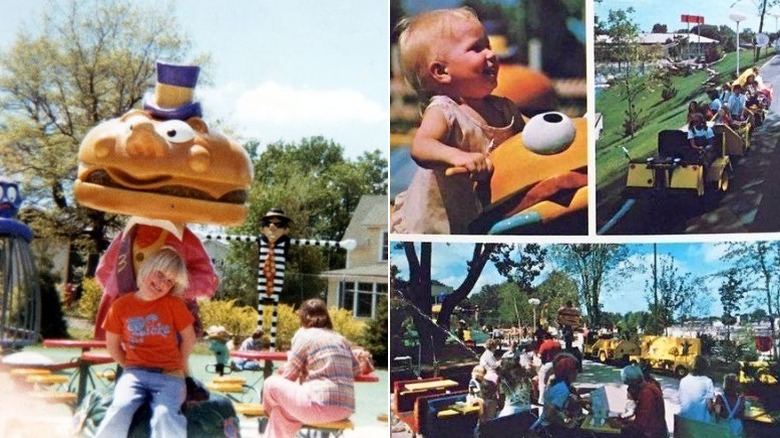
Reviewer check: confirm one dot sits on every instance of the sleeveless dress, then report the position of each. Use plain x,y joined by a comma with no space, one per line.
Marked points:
439,204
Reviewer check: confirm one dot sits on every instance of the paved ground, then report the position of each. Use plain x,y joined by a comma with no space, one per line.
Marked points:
21,417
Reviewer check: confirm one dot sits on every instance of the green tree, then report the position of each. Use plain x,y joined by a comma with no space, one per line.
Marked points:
89,61
624,48
660,28
676,293
758,262
593,267
762,6
520,264
489,300
731,294
319,189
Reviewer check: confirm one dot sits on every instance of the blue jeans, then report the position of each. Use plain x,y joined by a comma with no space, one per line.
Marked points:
165,394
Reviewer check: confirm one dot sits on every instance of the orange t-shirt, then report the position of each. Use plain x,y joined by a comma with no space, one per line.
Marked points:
149,330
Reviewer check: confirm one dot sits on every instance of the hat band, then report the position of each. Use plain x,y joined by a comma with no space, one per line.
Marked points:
172,96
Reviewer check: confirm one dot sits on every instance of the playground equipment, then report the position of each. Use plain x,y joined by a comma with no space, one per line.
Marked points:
20,296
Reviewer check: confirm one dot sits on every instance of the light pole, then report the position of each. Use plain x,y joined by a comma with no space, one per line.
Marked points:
776,15
534,302
737,17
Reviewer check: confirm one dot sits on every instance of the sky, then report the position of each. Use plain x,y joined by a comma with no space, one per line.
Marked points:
715,12
282,70
701,259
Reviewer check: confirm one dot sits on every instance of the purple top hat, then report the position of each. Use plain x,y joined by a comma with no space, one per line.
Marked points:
172,98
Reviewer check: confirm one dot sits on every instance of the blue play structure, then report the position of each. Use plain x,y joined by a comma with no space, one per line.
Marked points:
20,297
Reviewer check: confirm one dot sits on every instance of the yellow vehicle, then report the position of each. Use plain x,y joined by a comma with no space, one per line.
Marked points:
670,354
612,350
678,167
758,371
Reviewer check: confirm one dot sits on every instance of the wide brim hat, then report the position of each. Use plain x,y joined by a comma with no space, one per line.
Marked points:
218,331
173,94
276,213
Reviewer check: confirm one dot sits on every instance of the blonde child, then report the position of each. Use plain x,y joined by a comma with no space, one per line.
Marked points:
446,57
150,334
730,405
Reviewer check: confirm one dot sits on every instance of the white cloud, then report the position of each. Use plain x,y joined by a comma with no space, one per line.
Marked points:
274,103
713,253
272,111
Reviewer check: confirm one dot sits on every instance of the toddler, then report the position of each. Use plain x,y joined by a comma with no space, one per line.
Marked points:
150,334
445,56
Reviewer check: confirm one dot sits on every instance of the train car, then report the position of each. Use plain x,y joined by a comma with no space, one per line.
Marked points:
612,350
669,354
679,168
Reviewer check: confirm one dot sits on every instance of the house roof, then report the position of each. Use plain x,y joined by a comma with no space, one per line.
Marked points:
371,212
370,270
661,38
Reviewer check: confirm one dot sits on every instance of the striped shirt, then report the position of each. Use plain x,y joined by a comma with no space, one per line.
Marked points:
322,359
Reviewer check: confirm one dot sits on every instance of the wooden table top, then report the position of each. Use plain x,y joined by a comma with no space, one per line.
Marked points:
434,384
74,343
260,355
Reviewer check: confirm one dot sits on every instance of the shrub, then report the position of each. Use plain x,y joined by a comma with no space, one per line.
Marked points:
346,324
713,53
91,292
53,324
240,320
375,335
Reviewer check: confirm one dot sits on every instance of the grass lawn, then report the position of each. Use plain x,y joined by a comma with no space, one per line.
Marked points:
658,115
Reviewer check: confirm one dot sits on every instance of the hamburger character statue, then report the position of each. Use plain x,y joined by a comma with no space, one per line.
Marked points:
164,167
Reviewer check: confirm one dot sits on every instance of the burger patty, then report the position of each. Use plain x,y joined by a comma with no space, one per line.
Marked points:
102,178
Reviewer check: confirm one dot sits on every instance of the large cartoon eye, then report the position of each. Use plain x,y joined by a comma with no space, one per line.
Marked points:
175,131
12,193
548,133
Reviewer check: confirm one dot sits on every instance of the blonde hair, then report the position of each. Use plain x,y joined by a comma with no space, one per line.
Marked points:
730,384
167,261
417,43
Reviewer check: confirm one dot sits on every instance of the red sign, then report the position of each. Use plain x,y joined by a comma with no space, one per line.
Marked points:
698,19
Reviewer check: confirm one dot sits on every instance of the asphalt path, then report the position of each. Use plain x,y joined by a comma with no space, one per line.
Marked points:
752,203
597,374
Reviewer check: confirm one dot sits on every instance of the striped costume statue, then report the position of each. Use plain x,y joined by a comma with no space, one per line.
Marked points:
273,256
273,245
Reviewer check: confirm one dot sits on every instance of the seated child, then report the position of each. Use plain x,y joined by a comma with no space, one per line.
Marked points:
150,334
730,406
516,386
252,343
700,137
482,393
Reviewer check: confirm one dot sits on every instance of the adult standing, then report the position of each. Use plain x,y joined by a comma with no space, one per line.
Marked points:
569,320
317,384
697,393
